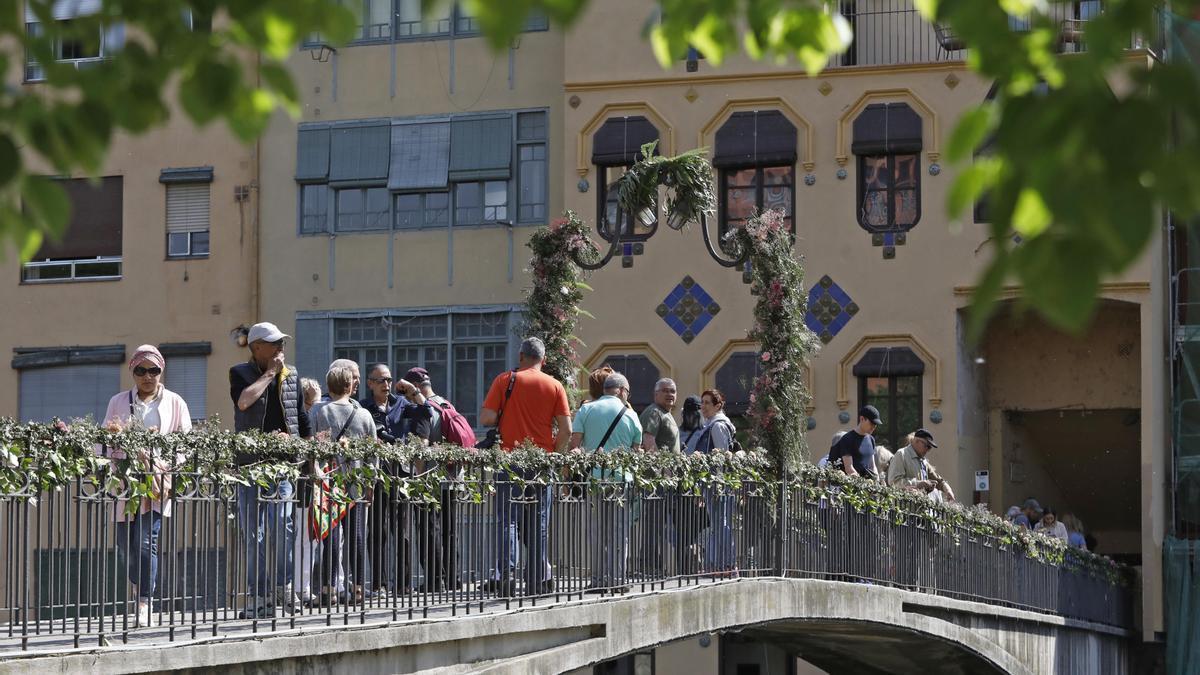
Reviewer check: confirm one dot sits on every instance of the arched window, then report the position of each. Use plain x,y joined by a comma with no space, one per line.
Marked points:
735,380
616,145
641,373
889,378
887,142
755,156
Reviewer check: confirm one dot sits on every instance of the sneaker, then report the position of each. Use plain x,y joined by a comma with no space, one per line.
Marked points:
144,616
256,608
286,599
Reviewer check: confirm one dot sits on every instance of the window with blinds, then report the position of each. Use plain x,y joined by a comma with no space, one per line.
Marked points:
68,392
187,220
188,377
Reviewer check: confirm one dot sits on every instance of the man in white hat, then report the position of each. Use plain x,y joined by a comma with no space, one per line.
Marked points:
266,396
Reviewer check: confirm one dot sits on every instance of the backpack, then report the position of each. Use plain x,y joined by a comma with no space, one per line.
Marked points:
455,428
705,442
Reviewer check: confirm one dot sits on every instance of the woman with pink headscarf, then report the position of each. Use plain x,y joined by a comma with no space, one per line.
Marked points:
148,405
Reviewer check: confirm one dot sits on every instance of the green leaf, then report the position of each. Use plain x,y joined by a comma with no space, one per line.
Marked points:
10,160
1031,216
48,202
972,128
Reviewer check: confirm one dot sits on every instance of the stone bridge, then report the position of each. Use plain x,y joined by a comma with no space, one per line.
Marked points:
838,626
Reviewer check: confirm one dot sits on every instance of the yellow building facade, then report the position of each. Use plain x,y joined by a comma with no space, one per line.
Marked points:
390,220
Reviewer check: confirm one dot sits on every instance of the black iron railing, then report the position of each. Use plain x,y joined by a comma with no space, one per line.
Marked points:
891,32
235,559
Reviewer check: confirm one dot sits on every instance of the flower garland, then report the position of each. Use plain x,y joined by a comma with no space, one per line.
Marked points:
778,395
36,458
552,302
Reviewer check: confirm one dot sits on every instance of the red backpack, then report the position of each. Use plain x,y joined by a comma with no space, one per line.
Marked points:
455,428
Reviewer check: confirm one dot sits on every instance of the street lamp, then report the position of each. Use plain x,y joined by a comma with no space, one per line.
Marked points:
688,179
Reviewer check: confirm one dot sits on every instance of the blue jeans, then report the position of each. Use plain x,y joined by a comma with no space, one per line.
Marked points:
718,552
138,542
514,521
266,526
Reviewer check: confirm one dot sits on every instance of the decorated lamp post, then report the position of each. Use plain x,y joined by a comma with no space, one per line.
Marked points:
688,179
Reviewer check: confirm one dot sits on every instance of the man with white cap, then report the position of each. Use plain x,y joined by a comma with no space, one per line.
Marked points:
267,397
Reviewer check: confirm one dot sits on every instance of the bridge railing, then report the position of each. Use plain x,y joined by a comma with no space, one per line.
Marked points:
98,551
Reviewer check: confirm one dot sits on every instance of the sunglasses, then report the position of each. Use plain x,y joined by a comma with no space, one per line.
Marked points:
142,371
379,379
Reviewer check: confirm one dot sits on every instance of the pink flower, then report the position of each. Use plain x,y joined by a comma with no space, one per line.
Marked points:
766,356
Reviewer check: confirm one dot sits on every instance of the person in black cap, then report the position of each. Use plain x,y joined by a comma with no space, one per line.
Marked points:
855,452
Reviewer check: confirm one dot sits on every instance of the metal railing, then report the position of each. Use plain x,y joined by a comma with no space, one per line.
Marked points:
219,558
892,32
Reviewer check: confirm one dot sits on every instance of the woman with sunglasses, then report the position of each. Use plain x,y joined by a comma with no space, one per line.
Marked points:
148,405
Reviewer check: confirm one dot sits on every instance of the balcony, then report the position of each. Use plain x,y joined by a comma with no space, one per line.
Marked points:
892,32
101,268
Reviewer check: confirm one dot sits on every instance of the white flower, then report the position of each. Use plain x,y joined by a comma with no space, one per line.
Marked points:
564,290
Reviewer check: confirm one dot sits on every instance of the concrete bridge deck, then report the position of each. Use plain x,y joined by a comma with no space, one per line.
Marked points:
829,623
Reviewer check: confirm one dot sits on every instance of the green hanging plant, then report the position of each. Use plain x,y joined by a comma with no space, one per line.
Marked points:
688,178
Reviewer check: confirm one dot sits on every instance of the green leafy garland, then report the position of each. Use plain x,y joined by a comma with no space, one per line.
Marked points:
688,178
552,302
38,458
778,396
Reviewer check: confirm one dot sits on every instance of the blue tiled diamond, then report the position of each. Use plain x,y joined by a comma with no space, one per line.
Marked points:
688,309
829,309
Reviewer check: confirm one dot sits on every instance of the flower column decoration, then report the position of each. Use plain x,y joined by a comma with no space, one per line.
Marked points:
552,308
778,396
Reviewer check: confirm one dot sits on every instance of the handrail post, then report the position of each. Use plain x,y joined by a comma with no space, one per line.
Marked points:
781,525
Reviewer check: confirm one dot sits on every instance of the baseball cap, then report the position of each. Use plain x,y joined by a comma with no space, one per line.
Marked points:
871,413
417,376
924,435
1033,504
266,332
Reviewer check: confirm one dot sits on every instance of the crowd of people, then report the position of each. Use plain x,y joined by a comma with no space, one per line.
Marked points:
303,548
1069,528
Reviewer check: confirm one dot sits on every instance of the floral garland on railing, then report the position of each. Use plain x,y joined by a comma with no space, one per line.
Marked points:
953,520
778,396
552,302
36,458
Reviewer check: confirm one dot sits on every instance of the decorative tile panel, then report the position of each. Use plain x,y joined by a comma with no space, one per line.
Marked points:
688,309
829,309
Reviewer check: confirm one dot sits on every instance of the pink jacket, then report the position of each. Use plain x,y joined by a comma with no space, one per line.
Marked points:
175,416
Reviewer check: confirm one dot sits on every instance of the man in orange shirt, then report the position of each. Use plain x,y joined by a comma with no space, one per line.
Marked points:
526,405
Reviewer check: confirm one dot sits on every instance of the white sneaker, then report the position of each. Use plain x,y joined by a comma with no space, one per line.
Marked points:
286,599
144,616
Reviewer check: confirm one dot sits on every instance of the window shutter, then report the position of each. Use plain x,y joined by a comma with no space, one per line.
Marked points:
312,153
188,377
887,129
359,152
755,138
66,9
889,362
188,207
420,156
480,149
96,221
314,348
619,141
68,392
